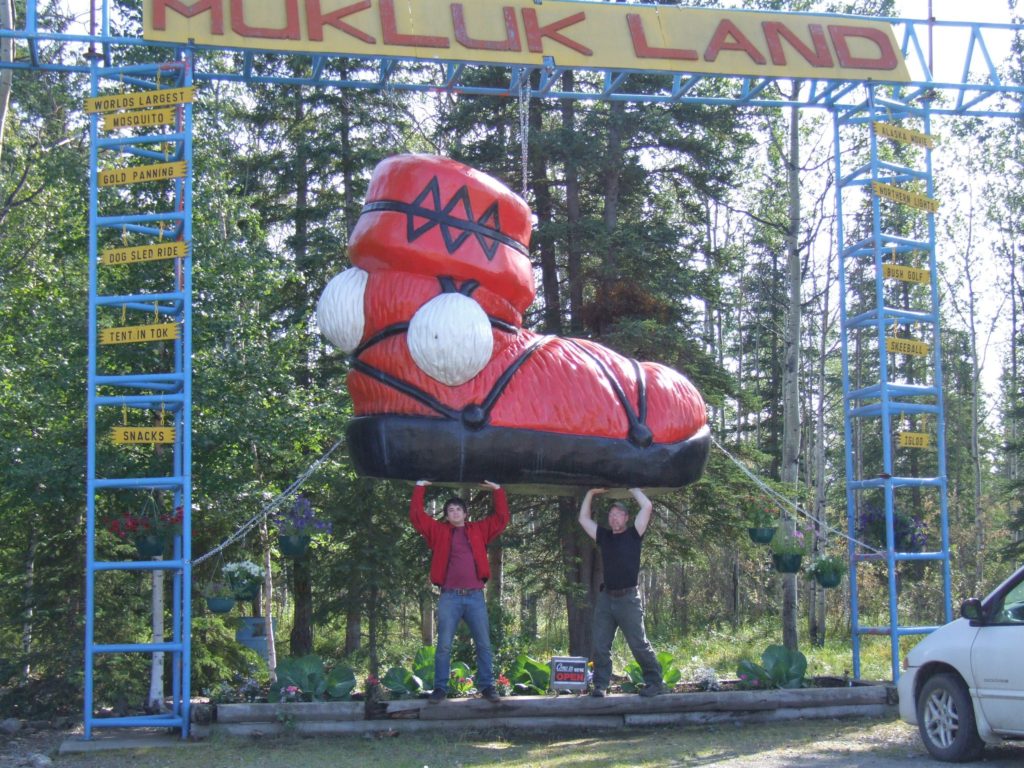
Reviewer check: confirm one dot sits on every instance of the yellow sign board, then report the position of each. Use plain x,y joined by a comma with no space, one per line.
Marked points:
898,346
913,440
905,197
139,173
595,35
136,254
907,274
136,435
130,334
115,102
145,118
904,135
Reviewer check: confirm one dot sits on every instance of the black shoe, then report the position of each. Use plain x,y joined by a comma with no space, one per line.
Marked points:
437,695
491,694
597,693
652,690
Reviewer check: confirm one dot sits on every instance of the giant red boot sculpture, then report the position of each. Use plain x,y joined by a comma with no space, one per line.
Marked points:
446,383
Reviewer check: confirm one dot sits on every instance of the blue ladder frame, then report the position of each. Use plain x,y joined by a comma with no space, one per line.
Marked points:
886,401
159,392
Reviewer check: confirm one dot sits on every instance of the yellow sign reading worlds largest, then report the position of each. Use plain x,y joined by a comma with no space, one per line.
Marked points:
575,34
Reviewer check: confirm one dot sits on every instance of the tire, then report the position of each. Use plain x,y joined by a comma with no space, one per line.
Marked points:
945,718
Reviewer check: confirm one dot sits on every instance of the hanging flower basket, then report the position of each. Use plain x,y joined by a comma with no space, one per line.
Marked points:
220,604
761,535
294,545
244,578
827,570
829,580
786,563
150,545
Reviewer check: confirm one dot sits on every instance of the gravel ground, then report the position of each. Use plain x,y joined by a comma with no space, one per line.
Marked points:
846,743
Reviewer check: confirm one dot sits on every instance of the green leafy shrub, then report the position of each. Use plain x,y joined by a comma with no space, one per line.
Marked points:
529,677
670,673
305,678
779,668
402,682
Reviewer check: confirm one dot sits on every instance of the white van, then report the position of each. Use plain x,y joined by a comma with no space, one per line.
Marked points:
963,685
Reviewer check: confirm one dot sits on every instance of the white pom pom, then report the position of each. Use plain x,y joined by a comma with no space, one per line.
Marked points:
450,338
339,313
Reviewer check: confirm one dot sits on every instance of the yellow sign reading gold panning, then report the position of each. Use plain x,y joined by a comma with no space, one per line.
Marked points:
904,135
115,102
905,197
907,274
898,346
913,440
136,435
591,35
135,254
140,173
130,334
146,118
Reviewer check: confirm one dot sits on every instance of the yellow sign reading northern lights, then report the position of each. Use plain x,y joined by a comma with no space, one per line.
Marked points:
905,197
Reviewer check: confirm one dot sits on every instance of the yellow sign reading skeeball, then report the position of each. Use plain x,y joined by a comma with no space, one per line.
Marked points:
529,32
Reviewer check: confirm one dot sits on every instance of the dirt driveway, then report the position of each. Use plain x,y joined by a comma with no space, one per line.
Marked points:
846,743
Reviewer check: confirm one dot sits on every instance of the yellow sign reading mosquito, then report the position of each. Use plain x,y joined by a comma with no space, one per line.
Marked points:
139,173
146,118
115,102
905,197
130,334
913,440
135,254
136,435
906,346
904,135
907,274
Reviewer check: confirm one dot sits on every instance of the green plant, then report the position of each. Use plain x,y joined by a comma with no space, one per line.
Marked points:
779,668
402,682
760,517
460,682
789,540
529,677
218,588
242,575
423,666
148,521
300,520
670,673
305,678
826,565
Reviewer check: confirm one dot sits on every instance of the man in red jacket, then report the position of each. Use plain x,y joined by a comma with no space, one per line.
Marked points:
458,565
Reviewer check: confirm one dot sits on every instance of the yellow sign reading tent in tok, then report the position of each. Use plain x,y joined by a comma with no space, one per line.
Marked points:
140,173
526,32
115,102
913,440
134,435
135,254
130,334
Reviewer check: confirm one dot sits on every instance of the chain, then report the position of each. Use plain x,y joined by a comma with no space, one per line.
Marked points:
524,125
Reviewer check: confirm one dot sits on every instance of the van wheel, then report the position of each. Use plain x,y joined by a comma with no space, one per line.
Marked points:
945,717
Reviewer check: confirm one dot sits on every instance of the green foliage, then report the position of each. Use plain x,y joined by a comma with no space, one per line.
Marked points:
402,682
460,682
423,666
670,673
529,677
306,679
780,667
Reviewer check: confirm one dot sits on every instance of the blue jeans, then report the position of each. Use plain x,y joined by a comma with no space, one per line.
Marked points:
451,608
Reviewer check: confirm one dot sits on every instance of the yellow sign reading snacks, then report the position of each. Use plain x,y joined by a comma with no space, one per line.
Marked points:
905,197
129,334
592,35
139,173
906,346
115,102
913,440
145,118
904,135
135,435
135,254
907,274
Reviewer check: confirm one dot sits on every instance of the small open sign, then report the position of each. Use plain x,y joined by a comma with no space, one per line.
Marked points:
569,673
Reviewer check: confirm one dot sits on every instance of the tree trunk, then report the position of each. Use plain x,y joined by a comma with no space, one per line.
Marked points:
791,365
6,57
354,631
427,619
572,210
155,699
581,577
301,638
268,604
28,603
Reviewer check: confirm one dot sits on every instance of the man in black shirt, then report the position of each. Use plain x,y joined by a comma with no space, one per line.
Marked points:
618,602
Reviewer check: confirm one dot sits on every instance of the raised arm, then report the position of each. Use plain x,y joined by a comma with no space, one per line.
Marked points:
643,517
497,520
587,514
418,516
